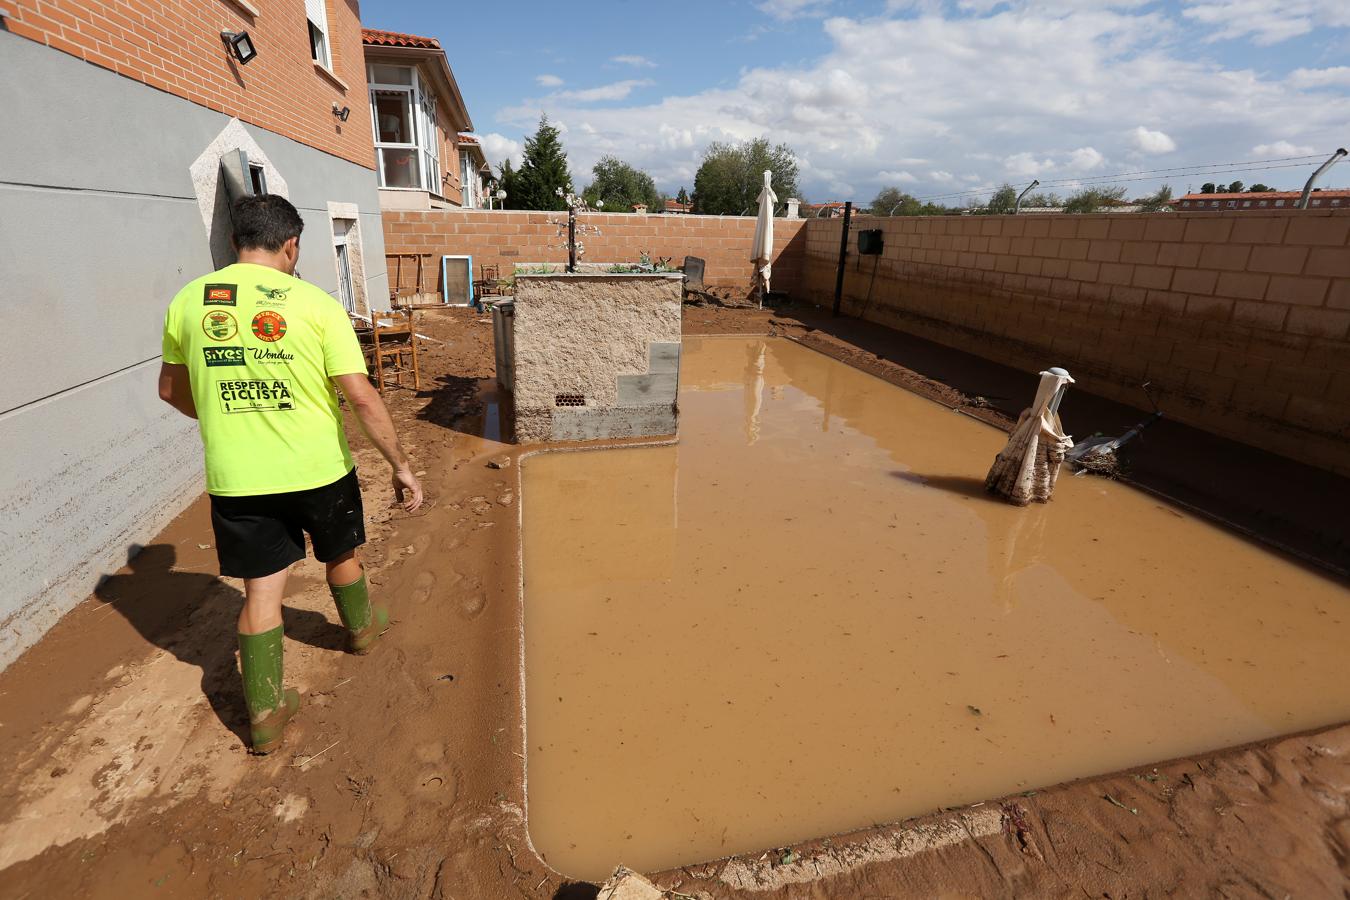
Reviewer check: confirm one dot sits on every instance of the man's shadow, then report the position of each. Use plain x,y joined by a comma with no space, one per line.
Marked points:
193,616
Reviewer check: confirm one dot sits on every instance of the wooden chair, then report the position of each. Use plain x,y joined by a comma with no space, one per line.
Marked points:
391,349
490,284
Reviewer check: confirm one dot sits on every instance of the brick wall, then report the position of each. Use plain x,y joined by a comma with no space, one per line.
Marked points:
175,46
1241,321
504,238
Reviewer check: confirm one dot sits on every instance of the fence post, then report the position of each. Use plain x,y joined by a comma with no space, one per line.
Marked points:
843,254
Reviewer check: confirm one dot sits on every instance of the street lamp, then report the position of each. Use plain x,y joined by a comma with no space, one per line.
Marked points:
1018,205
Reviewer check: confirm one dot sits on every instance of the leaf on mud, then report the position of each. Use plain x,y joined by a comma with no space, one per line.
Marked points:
974,710
1114,802
787,858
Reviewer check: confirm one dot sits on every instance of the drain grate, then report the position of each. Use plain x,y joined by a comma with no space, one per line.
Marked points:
569,400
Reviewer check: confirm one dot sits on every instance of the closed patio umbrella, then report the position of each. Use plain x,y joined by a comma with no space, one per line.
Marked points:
1027,466
761,254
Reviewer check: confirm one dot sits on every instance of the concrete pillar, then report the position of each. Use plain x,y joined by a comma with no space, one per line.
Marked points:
793,208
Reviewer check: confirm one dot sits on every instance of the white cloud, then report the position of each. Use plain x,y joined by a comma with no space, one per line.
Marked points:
1148,141
1025,165
1281,149
497,147
1267,22
963,101
548,81
793,9
1336,76
618,90
1085,159
640,62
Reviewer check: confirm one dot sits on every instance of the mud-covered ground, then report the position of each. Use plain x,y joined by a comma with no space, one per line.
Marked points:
127,773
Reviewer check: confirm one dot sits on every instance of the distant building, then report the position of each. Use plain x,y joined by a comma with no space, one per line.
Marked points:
417,114
831,210
675,207
1249,201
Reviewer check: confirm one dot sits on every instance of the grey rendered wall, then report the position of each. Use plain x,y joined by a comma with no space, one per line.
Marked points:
99,227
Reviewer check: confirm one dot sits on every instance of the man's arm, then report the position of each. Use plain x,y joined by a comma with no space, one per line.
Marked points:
175,389
379,427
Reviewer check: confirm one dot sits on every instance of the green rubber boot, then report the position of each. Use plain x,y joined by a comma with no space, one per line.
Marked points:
270,706
364,621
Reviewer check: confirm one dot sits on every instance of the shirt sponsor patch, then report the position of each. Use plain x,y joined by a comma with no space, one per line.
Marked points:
269,326
255,395
219,325
223,356
219,294
272,296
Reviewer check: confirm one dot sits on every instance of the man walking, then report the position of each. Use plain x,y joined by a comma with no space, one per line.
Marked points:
254,354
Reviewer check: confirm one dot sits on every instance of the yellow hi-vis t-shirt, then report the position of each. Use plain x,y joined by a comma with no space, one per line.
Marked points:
261,347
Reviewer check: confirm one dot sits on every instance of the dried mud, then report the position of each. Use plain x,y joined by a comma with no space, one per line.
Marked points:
403,775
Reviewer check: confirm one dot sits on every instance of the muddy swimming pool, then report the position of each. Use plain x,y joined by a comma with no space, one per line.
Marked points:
807,617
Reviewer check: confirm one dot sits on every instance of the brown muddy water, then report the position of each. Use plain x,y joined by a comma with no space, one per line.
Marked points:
807,618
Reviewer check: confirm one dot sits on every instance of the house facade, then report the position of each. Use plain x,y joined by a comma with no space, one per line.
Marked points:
140,124
417,115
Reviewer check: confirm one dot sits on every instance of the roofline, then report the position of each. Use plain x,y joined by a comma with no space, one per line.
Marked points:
443,70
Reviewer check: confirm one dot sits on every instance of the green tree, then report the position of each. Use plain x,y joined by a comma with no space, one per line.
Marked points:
620,186
509,180
1235,187
1001,202
682,197
891,201
1260,188
1091,200
1161,201
1048,200
1207,187
543,171
731,176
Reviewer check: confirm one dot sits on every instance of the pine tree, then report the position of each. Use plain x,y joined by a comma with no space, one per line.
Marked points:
509,181
683,197
543,171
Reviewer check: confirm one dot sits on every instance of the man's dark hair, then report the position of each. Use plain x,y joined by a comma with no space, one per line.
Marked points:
265,222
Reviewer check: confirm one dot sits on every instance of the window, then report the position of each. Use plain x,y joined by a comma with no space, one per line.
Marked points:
1264,203
346,291
257,178
404,121
1214,204
1232,204
1246,203
467,182
1186,204
1279,203
317,14
1317,203
1336,202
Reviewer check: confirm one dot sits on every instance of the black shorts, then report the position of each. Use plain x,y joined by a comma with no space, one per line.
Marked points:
264,533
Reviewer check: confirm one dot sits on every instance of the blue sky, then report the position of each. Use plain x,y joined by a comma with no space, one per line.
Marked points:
937,97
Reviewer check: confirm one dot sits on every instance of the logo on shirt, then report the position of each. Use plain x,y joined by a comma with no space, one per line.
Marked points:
219,326
268,356
218,295
269,326
255,395
223,356
272,296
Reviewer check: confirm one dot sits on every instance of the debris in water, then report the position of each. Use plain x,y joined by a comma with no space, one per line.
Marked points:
499,462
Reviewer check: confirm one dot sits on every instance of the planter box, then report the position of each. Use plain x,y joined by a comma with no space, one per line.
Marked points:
591,356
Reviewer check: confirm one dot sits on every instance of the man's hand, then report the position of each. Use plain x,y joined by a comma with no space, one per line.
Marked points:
405,482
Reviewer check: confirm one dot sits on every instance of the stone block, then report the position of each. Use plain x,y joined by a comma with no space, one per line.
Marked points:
646,390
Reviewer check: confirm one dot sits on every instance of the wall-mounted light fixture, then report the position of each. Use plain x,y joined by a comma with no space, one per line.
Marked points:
241,45
341,112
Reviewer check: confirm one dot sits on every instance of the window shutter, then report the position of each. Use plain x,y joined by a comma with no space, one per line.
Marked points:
315,12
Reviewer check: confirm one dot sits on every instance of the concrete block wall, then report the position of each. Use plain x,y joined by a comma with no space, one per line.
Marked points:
506,237
1241,320
595,356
